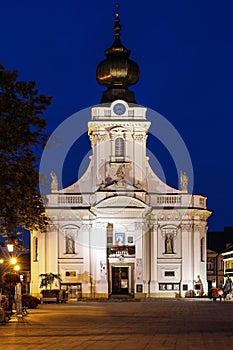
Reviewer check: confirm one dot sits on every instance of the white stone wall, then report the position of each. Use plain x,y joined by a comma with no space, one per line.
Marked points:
145,212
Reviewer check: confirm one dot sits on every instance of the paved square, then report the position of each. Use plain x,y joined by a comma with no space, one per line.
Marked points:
169,324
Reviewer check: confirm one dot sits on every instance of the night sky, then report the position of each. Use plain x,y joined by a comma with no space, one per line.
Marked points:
185,53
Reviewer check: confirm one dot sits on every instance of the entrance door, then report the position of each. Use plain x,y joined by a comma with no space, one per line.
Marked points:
120,280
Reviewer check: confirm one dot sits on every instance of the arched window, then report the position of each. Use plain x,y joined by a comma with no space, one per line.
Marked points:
202,247
35,248
119,147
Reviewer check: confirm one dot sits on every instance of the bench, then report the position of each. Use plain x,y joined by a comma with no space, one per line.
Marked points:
49,300
50,296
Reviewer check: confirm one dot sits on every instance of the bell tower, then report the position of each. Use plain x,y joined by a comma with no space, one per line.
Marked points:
118,128
118,134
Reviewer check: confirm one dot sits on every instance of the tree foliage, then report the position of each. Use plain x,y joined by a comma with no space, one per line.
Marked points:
22,134
47,279
11,278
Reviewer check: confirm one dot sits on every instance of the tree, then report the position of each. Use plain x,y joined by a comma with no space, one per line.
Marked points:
11,278
22,137
48,279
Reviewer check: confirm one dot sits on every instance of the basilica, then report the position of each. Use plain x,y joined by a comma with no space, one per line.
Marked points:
119,229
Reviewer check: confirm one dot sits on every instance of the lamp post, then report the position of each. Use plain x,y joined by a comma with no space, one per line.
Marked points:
14,267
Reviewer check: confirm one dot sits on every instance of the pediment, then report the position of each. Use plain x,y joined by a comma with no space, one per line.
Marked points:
121,201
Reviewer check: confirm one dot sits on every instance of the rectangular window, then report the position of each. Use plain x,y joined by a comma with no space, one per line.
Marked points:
139,288
169,273
169,286
35,248
202,247
70,273
210,266
221,265
119,147
130,239
162,286
185,287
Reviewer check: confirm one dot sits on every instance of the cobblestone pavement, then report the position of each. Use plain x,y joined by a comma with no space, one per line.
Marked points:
169,324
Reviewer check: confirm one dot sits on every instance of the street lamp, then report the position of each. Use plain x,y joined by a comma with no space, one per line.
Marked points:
11,278
13,261
10,247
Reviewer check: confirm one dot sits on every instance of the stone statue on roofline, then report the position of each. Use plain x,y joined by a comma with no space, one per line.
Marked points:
184,181
54,183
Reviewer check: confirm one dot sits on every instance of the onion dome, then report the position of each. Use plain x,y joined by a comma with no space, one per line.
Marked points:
117,71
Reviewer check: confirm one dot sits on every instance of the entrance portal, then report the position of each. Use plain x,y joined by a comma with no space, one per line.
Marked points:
120,280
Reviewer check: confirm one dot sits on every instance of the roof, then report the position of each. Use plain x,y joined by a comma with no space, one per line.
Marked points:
221,240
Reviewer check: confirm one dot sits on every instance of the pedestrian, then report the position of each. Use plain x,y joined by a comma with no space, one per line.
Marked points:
63,298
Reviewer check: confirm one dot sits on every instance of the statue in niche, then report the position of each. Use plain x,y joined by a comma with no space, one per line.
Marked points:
184,181
54,183
70,245
120,173
169,244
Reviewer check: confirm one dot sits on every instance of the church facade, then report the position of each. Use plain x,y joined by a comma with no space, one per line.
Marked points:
120,230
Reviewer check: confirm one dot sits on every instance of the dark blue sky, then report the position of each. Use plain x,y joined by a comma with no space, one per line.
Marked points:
185,53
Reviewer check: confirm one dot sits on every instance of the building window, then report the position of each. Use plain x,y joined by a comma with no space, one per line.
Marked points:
210,265
169,286
185,287
169,273
110,233
130,239
119,147
70,273
35,248
202,247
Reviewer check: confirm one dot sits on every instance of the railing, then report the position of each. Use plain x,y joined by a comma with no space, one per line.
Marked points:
169,199
153,199
67,199
56,200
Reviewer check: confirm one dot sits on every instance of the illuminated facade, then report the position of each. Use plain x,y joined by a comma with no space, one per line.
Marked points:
119,229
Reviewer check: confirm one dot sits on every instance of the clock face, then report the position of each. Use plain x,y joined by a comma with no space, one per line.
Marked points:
119,109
